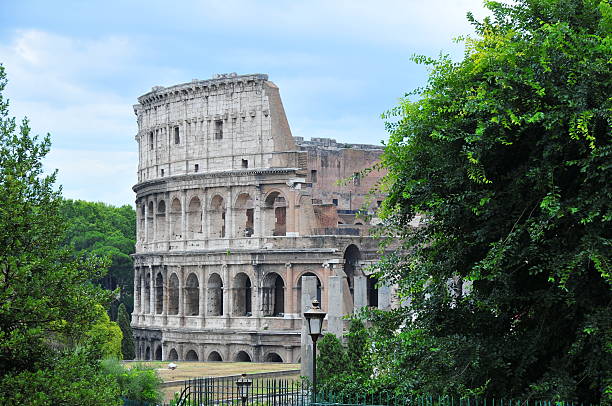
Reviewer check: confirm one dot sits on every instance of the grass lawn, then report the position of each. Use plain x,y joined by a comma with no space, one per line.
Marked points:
187,370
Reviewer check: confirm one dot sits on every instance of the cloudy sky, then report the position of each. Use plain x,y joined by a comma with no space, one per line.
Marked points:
75,68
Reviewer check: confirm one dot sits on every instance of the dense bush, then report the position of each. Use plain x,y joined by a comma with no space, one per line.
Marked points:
137,382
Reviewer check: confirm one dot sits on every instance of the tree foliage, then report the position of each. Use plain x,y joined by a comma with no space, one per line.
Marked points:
127,342
108,232
47,303
138,383
506,155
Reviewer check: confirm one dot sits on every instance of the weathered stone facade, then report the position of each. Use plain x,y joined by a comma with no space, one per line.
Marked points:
232,211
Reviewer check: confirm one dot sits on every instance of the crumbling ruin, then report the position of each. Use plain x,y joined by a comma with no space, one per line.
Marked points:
232,211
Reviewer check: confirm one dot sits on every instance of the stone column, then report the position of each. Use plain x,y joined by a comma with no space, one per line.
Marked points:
143,277
360,292
155,218
136,294
227,311
309,292
146,222
202,304
335,296
166,295
183,215
384,297
257,201
151,291
181,294
289,296
229,215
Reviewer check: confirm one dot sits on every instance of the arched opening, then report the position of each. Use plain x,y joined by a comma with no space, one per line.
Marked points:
372,291
214,357
242,356
148,353
141,223
299,287
160,227
150,214
146,298
273,357
158,353
215,295
275,214
273,295
173,294
242,295
217,217
192,293
351,264
244,211
194,217
173,355
191,356
159,293
176,228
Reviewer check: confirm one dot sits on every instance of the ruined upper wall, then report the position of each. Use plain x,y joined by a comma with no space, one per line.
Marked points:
339,172
230,122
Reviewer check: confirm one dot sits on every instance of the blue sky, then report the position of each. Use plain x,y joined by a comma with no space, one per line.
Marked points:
75,68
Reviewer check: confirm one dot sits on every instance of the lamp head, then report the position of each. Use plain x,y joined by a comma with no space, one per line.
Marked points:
314,319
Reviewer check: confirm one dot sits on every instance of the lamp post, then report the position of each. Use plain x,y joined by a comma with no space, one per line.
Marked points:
243,385
314,320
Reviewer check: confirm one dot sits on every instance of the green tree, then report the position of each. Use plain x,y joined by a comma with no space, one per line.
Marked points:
331,358
127,342
506,154
47,304
108,232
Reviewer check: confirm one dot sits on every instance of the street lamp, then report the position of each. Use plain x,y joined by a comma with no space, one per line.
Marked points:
243,385
314,320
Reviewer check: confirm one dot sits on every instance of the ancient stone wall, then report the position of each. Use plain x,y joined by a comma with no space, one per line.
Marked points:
229,218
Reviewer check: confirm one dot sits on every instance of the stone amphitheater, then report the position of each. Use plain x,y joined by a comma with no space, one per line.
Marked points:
232,212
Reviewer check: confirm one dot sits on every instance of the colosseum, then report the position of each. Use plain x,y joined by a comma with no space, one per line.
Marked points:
232,211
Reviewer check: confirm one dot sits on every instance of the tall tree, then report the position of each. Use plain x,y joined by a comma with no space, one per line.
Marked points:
108,232
127,343
47,304
507,155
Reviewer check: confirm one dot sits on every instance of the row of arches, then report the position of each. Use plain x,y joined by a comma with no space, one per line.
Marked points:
212,356
160,221
168,295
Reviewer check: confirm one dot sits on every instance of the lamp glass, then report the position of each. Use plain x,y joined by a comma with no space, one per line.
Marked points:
315,325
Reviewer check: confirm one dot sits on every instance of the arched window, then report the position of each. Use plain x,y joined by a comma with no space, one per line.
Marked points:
141,224
273,295
173,294
217,217
173,355
215,295
299,287
146,299
275,214
372,291
176,228
242,356
150,217
351,263
273,357
158,353
242,295
244,215
192,292
214,356
159,293
161,220
194,217
191,356
148,353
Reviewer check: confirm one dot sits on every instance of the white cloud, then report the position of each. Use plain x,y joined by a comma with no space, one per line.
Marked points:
95,175
413,23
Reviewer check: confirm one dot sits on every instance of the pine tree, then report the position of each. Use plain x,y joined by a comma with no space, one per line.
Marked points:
127,344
